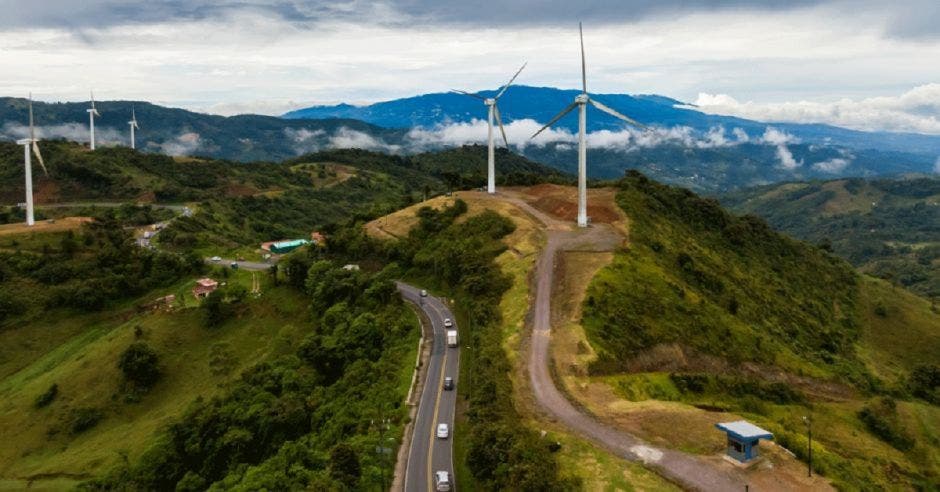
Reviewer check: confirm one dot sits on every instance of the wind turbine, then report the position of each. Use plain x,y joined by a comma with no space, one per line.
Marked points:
30,147
581,101
493,112
133,125
92,112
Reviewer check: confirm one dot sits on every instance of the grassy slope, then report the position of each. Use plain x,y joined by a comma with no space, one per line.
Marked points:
800,317
596,469
890,228
83,363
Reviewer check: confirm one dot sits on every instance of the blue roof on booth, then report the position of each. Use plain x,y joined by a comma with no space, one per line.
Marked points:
743,429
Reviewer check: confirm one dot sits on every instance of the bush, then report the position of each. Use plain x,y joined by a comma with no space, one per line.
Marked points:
46,398
925,383
694,383
85,418
881,419
344,465
140,365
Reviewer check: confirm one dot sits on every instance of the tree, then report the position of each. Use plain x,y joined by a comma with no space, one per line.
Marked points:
216,312
344,465
140,365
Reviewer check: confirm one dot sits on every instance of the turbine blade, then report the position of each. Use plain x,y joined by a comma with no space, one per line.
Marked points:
501,91
39,157
608,110
583,67
92,99
556,118
499,121
475,96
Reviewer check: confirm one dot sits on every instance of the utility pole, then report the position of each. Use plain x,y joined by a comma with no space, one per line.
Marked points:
809,433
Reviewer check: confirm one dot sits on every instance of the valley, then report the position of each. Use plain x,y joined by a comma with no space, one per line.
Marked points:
595,398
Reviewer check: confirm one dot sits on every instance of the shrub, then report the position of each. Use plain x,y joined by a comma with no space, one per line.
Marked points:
85,418
140,365
694,383
344,465
881,419
925,382
46,398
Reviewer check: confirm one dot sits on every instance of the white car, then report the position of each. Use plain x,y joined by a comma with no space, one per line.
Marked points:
424,293
216,259
448,323
442,431
442,481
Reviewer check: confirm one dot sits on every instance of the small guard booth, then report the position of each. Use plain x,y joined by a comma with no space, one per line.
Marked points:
743,437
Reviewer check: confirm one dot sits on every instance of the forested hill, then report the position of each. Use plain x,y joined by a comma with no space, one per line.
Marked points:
887,227
721,313
177,131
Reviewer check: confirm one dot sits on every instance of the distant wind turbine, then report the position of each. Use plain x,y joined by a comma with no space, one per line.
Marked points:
493,110
30,147
92,112
134,126
581,101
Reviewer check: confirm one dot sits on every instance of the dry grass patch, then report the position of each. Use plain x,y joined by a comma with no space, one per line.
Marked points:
52,225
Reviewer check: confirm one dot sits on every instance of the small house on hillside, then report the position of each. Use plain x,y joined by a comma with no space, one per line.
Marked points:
204,287
317,238
743,440
352,267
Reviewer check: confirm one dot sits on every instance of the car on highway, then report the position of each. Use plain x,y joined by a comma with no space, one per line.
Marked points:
448,323
424,293
216,259
443,431
448,383
442,481
234,265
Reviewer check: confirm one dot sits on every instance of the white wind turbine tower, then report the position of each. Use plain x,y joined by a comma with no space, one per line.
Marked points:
581,101
134,126
92,112
493,112
30,147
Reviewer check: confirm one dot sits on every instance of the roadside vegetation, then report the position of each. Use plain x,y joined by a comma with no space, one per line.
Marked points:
721,313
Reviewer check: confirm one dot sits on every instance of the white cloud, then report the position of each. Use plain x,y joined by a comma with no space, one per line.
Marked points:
76,132
304,140
917,110
247,60
184,144
780,139
834,165
346,138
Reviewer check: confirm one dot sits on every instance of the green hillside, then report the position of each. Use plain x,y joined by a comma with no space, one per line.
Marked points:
889,228
771,328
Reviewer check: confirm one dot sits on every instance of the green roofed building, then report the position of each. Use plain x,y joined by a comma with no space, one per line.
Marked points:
282,247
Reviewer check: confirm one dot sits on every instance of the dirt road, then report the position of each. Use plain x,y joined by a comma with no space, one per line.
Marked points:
690,471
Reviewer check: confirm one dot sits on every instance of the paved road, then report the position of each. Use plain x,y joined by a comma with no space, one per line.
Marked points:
244,265
428,454
690,471
175,208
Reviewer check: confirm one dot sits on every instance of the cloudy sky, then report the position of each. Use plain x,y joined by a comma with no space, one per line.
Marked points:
863,64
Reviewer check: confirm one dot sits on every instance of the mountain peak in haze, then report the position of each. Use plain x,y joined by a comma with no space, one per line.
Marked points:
542,103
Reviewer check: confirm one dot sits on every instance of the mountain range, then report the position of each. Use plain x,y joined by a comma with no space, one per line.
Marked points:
707,153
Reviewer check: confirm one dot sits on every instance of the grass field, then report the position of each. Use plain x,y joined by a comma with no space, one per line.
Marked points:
80,356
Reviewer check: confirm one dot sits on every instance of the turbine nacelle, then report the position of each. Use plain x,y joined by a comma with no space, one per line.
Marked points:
489,101
582,99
